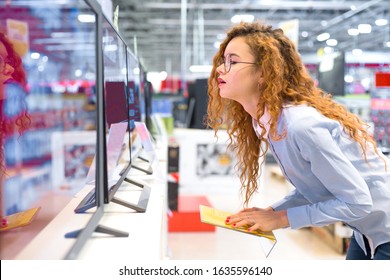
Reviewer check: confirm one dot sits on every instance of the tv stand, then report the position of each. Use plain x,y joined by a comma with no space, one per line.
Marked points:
148,170
138,184
99,229
142,201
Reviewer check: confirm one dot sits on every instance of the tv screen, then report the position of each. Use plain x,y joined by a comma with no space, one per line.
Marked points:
137,102
136,109
147,93
118,115
331,74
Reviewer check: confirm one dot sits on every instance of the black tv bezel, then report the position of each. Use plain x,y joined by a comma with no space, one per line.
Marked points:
110,190
85,233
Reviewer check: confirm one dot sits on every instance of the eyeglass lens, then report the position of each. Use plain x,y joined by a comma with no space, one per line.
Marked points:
227,63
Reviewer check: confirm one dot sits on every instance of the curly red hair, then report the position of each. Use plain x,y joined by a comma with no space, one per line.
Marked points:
286,80
19,76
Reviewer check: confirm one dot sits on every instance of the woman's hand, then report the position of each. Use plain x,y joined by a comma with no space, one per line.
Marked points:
257,218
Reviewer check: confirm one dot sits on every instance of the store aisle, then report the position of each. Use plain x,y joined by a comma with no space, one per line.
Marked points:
225,244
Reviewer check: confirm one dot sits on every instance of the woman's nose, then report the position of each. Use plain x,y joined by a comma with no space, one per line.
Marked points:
221,69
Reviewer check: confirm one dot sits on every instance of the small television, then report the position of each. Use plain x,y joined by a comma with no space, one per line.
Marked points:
117,114
331,74
197,104
137,110
146,98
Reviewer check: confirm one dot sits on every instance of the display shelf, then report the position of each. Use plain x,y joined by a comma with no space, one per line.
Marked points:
147,231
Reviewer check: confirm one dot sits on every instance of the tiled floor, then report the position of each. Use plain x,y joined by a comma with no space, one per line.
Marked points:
225,244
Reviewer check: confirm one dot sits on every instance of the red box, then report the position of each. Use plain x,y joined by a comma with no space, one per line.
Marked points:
187,218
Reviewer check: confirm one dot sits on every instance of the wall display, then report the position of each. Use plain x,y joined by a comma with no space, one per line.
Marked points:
214,160
204,161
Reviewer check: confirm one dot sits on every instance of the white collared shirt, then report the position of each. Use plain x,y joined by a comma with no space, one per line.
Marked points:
332,180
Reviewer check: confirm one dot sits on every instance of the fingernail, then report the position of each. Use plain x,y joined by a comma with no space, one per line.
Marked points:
234,225
4,222
227,218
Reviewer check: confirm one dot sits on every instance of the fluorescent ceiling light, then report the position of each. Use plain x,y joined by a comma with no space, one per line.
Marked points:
357,52
364,28
328,50
78,73
201,68
136,71
111,48
244,18
381,22
348,78
331,42
35,55
323,37
388,44
353,31
86,18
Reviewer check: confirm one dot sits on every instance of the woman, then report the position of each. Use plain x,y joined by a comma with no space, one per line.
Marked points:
12,92
261,93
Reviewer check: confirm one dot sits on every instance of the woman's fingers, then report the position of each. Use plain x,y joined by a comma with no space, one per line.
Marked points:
241,219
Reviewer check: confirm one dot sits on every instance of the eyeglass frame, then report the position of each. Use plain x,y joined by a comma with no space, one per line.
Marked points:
228,58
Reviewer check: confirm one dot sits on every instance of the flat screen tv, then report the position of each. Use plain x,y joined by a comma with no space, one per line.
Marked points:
331,74
148,94
100,174
116,111
136,103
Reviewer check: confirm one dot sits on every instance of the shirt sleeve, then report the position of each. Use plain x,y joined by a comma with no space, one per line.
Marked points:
352,199
293,199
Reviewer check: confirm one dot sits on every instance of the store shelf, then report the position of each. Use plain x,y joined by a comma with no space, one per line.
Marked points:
147,231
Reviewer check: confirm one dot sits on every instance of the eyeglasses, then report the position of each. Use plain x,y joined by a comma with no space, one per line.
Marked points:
227,62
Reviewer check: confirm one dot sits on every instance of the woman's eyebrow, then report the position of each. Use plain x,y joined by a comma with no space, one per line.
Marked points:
232,54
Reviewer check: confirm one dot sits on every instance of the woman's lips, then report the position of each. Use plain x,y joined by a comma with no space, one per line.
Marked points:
221,81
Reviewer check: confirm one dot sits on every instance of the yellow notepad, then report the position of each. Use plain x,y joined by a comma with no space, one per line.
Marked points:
216,217
20,219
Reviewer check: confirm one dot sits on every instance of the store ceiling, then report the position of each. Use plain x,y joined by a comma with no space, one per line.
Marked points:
156,24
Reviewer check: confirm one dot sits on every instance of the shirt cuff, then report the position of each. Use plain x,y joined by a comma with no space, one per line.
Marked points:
279,205
298,217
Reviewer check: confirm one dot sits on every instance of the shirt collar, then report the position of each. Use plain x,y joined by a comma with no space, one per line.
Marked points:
264,120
